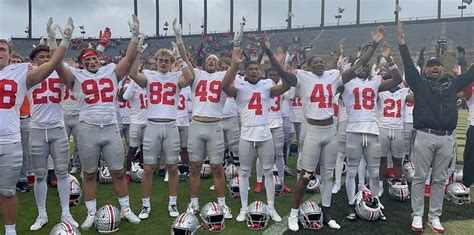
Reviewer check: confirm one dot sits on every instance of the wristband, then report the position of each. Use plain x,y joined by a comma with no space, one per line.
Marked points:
64,43
179,39
269,52
183,65
392,66
134,38
52,43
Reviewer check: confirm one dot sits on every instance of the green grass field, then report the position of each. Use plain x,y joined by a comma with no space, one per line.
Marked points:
456,219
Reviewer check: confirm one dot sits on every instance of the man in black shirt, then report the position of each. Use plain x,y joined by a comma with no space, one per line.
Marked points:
434,118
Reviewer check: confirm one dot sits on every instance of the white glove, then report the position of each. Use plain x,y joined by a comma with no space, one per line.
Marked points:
142,44
50,30
175,51
67,32
134,28
177,31
238,36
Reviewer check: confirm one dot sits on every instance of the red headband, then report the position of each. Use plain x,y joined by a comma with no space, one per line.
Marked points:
87,54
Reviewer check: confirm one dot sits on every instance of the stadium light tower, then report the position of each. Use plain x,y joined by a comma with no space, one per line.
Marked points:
83,31
463,7
165,28
339,14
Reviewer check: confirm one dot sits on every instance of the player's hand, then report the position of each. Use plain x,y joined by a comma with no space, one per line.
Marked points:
401,34
280,55
68,29
379,35
142,44
175,50
134,26
237,56
238,36
265,41
340,47
50,30
177,31
386,50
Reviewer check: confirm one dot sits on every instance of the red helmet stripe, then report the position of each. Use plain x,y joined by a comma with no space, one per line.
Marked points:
68,228
181,219
112,217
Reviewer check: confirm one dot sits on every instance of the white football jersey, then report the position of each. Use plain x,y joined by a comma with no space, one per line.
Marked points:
207,95
360,99
230,108
125,106
162,94
285,106
253,102
391,108
183,111
342,113
470,106
99,92
317,92
12,92
45,103
70,103
136,97
409,110
274,114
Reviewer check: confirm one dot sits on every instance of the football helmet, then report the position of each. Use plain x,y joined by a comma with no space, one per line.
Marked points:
408,171
257,215
230,172
183,171
233,187
104,174
311,215
107,219
457,176
185,224
75,191
313,185
398,189
278,185
205,171
136,172
367,206
458,194
64,228
212,216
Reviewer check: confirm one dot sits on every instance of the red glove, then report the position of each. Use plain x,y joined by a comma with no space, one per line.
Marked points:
104,39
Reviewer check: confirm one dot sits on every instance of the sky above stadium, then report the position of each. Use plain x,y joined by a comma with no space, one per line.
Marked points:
96,15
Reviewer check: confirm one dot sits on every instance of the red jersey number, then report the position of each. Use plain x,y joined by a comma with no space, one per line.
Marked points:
98,91
277,104
214,95
392,108
318,96
162,93
255,103
8,89
51,84
368,98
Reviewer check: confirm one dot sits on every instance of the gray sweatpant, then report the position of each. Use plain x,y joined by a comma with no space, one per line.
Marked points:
25,145
206,140
71,124
430,151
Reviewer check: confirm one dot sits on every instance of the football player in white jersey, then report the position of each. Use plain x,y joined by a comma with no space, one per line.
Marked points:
161,133
317,89
391,106
206,132
15,80
276,127
253,96
360,98
182,120
48,136
98,134
136,96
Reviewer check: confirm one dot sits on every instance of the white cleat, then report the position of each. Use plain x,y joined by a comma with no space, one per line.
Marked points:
70,219
89,222
39,223
242,215
74,170
274,215
193,209
333,224
293,223
145,213
173,211
129,216
212,188
227,212
336,188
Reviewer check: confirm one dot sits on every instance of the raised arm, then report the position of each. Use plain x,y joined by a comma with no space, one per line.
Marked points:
287,76
412,75
139,78
280,89
364,59
126,62
229,77
393,70
129,92
40,73
337,55
464,80
179,53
